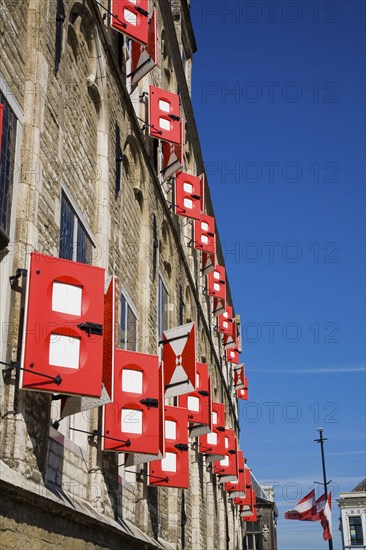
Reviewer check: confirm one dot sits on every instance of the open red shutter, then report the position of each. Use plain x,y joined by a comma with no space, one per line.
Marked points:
188,196
216,283
198,403
248,506
131,18
208,262
204,234
225,321
227,468
179,357
140,458
173,157
134,414
73,404
63,328
232,356
237,489
145,58
242,393
239,376
164,115
1,124
173,469
213,444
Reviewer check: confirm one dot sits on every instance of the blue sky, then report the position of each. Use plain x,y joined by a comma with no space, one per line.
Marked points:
278,93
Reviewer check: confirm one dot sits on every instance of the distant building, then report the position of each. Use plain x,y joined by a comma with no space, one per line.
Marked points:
353,517
262,535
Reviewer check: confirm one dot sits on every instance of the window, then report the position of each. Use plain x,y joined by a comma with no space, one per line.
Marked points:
355,530
7,149
75,241
128,324
162,307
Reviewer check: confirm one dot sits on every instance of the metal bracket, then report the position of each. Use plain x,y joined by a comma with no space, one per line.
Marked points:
204,393
16,365
20,272
168,340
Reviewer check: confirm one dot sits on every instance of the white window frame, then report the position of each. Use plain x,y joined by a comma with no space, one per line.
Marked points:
132,307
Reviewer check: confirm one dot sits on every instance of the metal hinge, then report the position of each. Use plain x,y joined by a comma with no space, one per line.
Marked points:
181,447
203,392
91,328
150,402
220,428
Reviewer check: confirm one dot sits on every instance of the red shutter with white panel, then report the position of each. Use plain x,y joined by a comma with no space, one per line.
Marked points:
242,393
237,489
188,196
227,468
204,234
131,422
213,444
73,404
232,356
1,124
198,403
248,505
173,469
219,305
131,17
63,329
179,358
164,115
145,58
225,321
216,282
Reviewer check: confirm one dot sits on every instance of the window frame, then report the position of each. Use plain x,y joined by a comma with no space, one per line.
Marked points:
355,543
81,222
160,324
130,304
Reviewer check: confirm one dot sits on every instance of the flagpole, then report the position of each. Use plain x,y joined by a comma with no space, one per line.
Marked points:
325,483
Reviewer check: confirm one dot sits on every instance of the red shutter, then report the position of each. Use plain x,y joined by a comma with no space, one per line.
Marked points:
208,262
213,444
227,468
188,196
225,321
198,403
219,305
248,505
204,234
131,18
239,376
164,115
63,327
242,393
145,58
173,157
74,404
140,458
179,357
232,356
237,489
134,414
216,283
252,518
173,469
1,124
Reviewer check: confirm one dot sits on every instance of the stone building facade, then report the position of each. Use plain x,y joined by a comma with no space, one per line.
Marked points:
82,180
352,521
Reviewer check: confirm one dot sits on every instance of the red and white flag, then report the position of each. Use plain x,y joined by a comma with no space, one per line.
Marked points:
305,509
324,514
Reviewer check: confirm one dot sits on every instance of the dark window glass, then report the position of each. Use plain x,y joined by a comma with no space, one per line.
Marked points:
162,308
7,163
67,230
355,529
74,244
